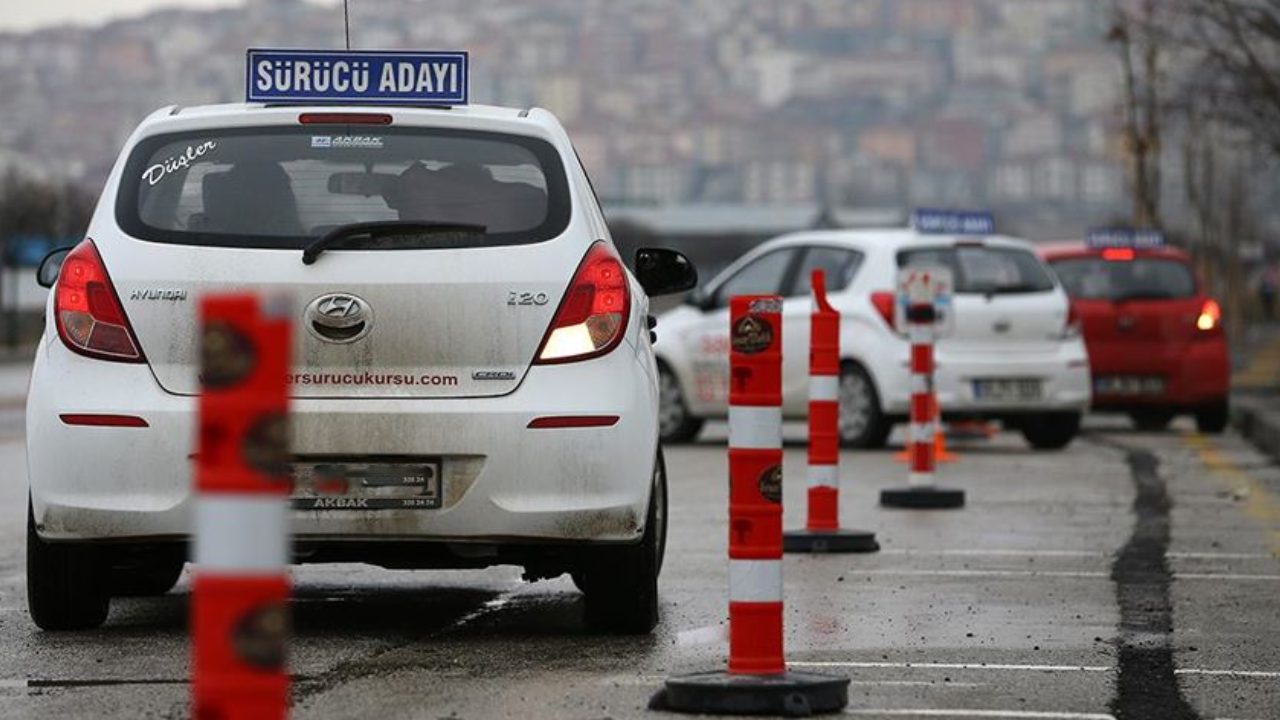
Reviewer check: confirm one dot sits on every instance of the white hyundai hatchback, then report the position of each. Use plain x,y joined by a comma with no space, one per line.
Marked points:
460,309
1015,353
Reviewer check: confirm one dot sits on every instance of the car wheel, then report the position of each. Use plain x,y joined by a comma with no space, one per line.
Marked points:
149,580
862,423
1213,419
621,583
1152,420
66,589
675,424
1053,431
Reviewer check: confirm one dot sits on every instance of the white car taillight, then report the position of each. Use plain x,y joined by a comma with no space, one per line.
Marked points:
1072,329
592,317
87,310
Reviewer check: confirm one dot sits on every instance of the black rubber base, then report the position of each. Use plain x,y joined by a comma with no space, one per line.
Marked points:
922,498
829,541
719,693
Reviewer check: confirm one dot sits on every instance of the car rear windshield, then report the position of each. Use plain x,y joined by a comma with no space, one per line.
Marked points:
1094,278
282,187
982,270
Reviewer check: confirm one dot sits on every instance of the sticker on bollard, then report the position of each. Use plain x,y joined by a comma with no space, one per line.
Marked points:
757,681
919,291
822,532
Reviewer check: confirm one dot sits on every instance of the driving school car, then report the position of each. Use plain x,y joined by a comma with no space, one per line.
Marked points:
1014,353
474,382
1156,341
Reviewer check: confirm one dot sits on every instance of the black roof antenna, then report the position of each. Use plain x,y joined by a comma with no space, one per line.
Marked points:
346,21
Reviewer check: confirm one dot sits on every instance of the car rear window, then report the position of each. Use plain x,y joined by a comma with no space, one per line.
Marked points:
1093,278
982,270
282,187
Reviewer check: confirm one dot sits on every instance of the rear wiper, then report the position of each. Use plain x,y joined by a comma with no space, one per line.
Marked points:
1014,290
374,232
1152,295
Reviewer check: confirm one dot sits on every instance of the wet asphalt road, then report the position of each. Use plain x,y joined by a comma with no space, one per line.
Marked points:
1131,576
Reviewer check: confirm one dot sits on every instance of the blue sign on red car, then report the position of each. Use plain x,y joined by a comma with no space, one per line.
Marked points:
357,77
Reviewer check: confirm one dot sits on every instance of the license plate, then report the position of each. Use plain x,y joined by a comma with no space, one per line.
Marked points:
367,486
1129,385
1007,390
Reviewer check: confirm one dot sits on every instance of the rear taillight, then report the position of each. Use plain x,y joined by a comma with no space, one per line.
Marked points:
593,314
1072,329
1210,319
88,313
883,302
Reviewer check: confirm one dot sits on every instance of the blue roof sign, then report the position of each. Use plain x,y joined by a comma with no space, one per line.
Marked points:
354,77
952,222
1104,238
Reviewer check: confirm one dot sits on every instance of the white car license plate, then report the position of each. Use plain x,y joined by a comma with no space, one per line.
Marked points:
1007,390
1129,385
366,486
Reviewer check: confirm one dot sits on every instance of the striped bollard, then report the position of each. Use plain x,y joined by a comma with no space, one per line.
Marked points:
241,590
757,681
822,533
921,320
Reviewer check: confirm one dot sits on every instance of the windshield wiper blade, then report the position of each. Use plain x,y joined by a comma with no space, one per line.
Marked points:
377,230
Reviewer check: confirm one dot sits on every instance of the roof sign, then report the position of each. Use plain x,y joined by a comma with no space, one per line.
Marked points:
952,222
1105,238
350,77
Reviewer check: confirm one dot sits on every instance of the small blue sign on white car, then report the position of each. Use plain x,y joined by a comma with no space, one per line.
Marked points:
357,77
953,222
1120,238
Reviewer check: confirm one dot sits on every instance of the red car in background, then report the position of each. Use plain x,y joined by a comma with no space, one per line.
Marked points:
1155,339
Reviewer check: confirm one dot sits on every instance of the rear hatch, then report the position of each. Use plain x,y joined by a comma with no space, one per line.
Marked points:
452,300
1005,299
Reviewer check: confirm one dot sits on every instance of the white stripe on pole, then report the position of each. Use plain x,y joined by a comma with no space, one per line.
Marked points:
920,334
755,581
824,387
921,432
242,533
919,384
755,428
824,476
920,479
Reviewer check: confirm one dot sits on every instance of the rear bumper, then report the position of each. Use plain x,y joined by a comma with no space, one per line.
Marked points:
1063,374
503,482
1196,373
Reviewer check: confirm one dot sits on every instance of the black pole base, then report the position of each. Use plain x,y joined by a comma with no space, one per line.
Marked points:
719,693
829,541
922,498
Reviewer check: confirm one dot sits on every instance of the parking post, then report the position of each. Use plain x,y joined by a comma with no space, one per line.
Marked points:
757,680
822,532
919,289
241,589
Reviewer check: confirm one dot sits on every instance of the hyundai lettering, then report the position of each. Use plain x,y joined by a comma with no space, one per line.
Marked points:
1012,351
474,382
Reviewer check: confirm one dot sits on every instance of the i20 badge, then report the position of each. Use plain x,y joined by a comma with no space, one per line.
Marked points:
339,318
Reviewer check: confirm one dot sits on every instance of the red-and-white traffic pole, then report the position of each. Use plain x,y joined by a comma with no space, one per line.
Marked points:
757,681
822,531
241,589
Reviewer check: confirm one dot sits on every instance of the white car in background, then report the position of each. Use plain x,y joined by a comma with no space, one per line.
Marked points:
1015,353
471,356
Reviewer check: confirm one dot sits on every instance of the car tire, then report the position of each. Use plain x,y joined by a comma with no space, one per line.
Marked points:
66,589
1152,420
675,424
149,580
1213,419
863,424
620,584
1052,431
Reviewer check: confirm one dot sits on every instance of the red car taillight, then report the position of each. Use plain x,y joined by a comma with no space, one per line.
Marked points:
883,302
87,310
1210,319
593,314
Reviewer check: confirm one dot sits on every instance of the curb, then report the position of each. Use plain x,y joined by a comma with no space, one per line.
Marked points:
1257,418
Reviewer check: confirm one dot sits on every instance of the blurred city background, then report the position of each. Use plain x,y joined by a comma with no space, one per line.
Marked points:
711,125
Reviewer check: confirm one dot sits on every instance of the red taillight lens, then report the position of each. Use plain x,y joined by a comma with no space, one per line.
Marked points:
88,313
1118,254
593,314
1210,319
883,302
344,119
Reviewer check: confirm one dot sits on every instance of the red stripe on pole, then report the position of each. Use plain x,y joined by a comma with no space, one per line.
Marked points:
755,639
239,663
824,432
824,509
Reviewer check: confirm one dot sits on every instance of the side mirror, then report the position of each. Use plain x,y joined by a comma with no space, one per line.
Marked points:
664,272
51,266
